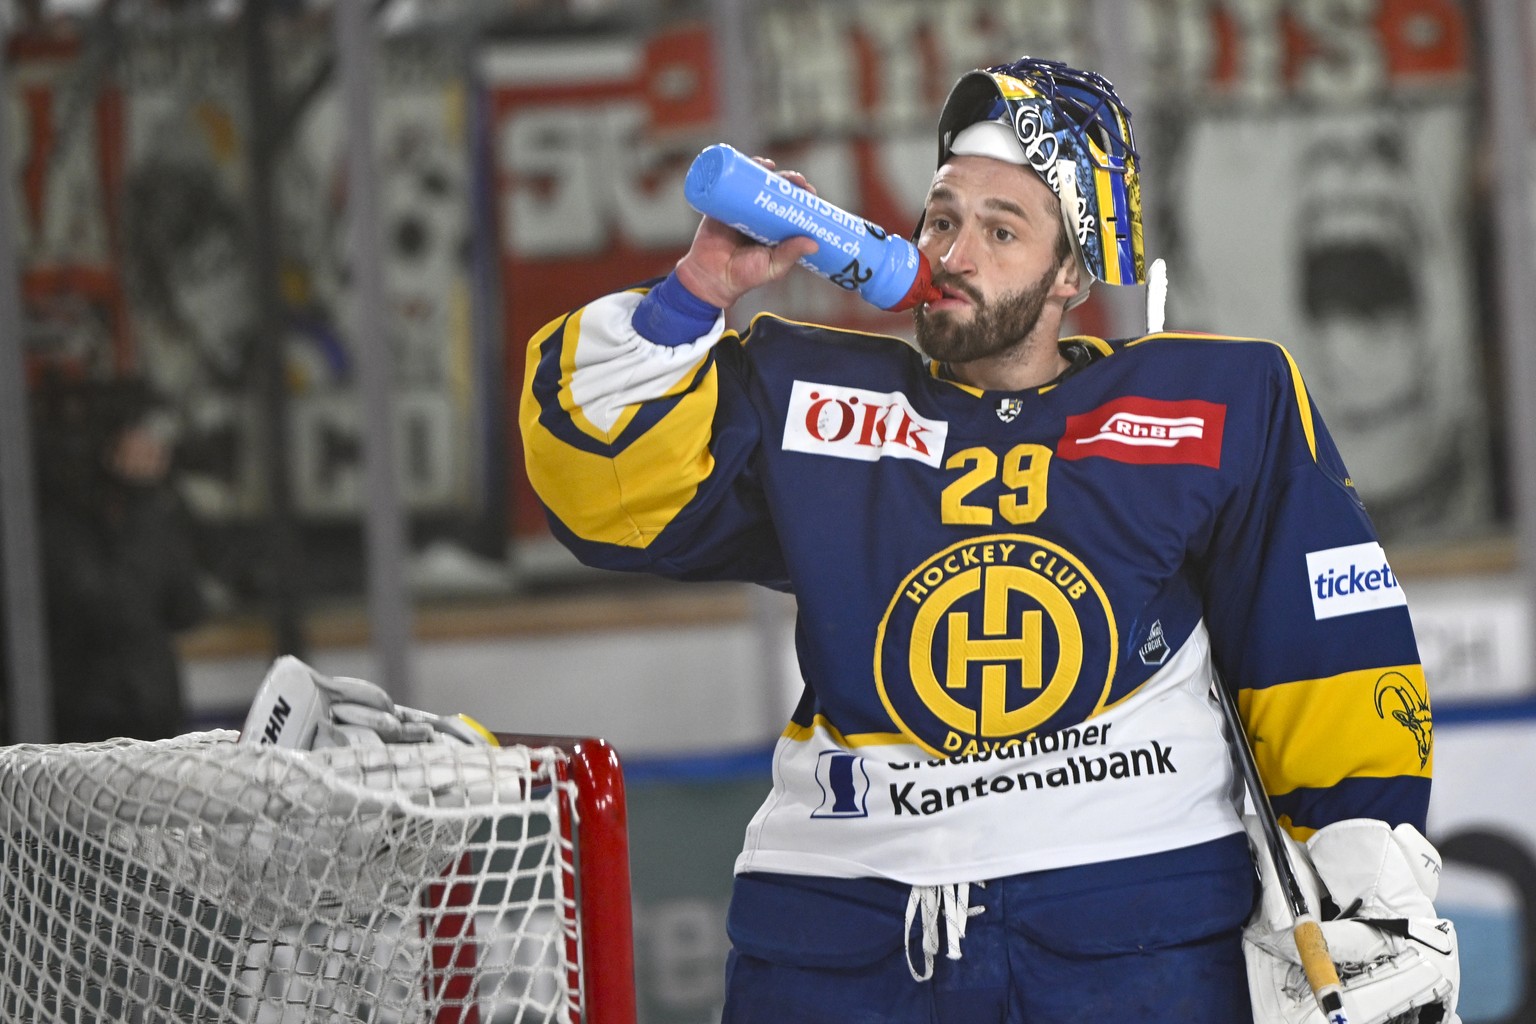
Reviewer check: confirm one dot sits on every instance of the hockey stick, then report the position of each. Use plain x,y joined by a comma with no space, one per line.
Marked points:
1316,963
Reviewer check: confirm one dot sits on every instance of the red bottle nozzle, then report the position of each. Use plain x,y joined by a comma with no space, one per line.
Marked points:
922,289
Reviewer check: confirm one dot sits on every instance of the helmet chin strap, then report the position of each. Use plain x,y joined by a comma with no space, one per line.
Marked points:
1081,296
1066,192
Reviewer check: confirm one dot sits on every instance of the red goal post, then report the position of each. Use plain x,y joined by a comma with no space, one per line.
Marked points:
604,899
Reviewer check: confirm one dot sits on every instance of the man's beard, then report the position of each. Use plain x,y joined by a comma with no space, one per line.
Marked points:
994,327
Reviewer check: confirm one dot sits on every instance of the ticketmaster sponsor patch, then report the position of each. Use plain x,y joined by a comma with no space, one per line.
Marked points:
1351,579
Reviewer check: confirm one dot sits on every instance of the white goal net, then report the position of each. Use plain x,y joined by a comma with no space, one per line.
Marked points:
202,880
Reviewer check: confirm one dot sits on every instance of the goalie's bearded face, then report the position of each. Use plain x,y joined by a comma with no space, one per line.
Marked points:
987,227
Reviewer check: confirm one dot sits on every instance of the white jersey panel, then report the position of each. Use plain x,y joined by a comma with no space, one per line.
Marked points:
1153,773
615,368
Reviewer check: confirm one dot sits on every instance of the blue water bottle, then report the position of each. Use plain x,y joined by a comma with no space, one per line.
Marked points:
852,253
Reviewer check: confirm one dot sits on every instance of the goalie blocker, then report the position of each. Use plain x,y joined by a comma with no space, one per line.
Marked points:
299,708
1396,958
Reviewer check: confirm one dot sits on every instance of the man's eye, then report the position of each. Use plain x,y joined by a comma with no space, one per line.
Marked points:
1003,234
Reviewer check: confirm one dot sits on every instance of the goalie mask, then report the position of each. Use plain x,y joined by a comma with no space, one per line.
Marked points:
1072,130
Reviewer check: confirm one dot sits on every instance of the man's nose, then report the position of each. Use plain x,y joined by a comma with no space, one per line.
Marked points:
957,259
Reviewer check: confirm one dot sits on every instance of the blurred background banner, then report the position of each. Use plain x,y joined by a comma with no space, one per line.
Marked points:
193,315
1355,179
1367,250
66,176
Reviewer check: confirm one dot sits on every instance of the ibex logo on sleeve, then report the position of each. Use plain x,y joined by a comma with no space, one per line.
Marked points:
1397,694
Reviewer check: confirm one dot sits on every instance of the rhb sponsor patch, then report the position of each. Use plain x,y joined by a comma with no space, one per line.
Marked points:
851,423
1351,579
1148,431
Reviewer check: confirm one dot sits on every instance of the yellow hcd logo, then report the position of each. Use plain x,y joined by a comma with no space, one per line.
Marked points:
993,639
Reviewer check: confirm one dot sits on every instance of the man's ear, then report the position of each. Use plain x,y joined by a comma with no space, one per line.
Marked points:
1069,276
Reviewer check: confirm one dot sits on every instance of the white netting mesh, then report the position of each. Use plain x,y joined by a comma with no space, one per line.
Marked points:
199,879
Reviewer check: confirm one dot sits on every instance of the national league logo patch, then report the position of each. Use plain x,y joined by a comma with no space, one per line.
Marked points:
1149,431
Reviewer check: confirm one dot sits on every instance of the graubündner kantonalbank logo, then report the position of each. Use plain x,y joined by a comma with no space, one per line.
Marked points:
1351,579
844,783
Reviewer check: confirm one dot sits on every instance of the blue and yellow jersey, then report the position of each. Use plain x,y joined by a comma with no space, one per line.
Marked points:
1011,606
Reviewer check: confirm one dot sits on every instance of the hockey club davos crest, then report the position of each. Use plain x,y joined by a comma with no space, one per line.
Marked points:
993,639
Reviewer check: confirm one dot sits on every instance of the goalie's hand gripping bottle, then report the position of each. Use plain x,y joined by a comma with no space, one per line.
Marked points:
853,253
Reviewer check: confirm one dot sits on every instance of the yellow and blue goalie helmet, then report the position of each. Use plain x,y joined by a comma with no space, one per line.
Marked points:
1076,134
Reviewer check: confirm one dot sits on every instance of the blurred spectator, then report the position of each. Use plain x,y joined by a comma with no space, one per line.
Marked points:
117,560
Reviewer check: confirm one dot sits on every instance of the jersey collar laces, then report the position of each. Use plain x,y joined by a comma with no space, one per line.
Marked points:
929,904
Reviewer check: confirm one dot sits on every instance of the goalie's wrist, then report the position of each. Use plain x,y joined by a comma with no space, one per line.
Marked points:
672,314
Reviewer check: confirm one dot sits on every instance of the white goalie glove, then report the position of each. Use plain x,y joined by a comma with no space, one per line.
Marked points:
1396,958
301,709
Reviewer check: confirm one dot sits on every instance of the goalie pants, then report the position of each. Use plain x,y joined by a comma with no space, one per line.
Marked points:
1149,940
